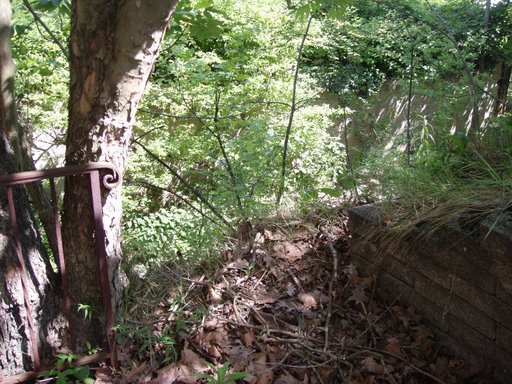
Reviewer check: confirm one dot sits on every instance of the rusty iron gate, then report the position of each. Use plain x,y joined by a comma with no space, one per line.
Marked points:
109,176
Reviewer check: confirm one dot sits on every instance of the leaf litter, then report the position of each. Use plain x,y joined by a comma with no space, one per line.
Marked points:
287,307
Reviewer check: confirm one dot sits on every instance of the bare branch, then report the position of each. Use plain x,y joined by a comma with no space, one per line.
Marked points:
147,185
292,111
46,28
187,185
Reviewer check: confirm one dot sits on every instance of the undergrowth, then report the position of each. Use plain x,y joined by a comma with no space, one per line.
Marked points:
454,182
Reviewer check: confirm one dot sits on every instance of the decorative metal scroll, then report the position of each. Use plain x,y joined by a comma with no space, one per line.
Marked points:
109,180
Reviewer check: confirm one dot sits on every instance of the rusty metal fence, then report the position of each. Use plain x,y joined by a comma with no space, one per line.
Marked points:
99,174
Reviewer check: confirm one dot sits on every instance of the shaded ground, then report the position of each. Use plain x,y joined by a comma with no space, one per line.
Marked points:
287,307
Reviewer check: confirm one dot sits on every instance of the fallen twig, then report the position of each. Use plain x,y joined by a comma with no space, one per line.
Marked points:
334,277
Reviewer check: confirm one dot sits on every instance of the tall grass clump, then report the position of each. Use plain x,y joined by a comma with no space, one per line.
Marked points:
452,183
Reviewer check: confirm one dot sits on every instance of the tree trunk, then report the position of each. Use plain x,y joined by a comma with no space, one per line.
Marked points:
505,72
16,353
485,28
14,131
16,349
113,45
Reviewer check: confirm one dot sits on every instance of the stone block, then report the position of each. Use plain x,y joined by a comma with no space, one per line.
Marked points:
468,262
364,216
496,234
432,291
485,302
430,311
504,336
364,266
478,344
504,293
427,267
396,289
473,317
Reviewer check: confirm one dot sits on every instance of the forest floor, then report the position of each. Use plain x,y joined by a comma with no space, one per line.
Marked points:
286,306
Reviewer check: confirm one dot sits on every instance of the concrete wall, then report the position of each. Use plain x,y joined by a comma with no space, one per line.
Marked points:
461,283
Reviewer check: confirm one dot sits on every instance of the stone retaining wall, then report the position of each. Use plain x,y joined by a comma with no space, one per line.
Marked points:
461,283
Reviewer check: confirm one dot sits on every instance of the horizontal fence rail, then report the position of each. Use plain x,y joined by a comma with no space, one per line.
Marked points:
100,173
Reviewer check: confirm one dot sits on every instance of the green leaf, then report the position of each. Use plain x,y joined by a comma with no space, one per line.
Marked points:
235,376
331,192
203,4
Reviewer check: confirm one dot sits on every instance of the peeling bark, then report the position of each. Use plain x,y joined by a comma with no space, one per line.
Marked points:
112,56
15,342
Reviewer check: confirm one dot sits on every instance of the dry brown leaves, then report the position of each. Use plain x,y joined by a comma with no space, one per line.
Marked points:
268,309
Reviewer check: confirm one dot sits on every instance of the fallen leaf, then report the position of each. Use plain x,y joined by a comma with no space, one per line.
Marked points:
192,360
291,289
309,300
173,373
136,371
394,346
238,264
248,338
104,375
325,373
269,298
268,235
211,324
370,365
465,374
239,357
359,295
214,352
457,364
369,281
441,366
286,378
214,296
288,251
257,367
266,378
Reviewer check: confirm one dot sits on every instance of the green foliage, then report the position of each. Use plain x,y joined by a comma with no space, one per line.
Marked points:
452,179
183,233
149,342
65,373
153,342
42,74
87,310
61,6
218,104
221,375
222,105
372,43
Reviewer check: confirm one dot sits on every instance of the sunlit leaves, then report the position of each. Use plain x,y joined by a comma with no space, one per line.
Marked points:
236,91
62,6
202,19
320,8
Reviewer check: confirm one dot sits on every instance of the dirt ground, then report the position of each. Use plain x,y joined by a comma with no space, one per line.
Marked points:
286,306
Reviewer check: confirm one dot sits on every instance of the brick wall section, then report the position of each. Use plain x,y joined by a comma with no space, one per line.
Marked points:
461,283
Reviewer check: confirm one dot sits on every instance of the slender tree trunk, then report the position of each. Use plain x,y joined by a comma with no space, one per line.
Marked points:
293,108
113,47
7,72
485,27
14,131
505,71
16,348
